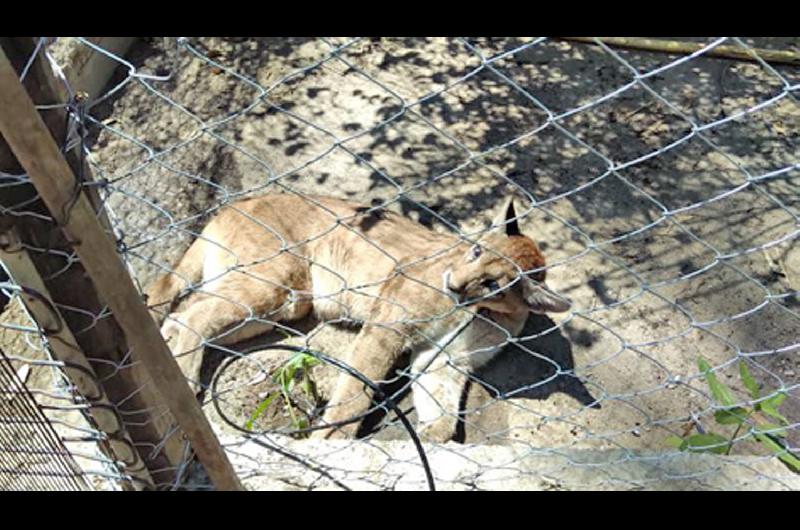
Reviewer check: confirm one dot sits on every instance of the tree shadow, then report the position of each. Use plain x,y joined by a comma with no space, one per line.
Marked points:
559,163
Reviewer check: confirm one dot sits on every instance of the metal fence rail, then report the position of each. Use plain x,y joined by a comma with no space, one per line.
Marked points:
33,455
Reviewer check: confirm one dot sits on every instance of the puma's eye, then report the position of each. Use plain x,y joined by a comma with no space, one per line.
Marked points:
492,285
475,252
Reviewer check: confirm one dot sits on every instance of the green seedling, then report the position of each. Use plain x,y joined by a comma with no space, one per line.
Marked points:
296,369
759,420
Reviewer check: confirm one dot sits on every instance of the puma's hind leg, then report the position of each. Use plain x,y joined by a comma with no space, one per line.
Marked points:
239,306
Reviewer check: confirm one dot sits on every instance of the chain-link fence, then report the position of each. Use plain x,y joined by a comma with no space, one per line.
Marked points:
47,439
42,457
318,223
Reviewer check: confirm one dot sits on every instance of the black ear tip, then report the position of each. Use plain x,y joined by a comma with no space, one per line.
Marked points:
512,227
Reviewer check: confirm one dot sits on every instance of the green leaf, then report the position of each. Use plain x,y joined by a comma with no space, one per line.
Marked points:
780,451
770,407
734,416
791,460
259,411
748,380
707,443
720,392
295,363
774,430
285,376
310,363
676,442
308,386
774,401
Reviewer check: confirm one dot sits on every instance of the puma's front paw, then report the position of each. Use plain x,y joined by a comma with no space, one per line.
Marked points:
436,431
170,331
190,362
342,430
329,434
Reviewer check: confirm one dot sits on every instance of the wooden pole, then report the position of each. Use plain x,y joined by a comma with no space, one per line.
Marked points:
44,88
29,138
684,48
126,384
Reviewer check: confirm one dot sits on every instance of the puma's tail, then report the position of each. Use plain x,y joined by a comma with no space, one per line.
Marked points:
163,293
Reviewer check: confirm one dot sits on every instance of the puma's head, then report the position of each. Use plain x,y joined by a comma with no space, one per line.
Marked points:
504,272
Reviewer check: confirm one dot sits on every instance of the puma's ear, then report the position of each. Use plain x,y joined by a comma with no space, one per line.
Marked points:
506,219
540,299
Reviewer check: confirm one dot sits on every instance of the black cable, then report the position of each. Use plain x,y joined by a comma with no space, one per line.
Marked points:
386,401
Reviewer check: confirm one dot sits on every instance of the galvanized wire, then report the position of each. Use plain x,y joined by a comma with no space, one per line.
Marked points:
154,169
32,455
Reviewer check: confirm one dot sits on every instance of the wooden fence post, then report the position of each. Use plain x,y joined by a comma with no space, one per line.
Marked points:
154,380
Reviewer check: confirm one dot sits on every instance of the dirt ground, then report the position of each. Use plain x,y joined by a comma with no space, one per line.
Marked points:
717,277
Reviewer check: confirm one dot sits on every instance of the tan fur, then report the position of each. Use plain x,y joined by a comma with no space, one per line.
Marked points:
277,257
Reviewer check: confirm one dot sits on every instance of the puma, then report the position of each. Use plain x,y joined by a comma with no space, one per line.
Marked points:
277,257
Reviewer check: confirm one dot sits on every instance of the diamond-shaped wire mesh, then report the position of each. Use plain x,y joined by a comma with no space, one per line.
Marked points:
47,442
662,189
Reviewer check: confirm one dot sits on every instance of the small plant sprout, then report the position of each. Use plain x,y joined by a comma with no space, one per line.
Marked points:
296,369
762,421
